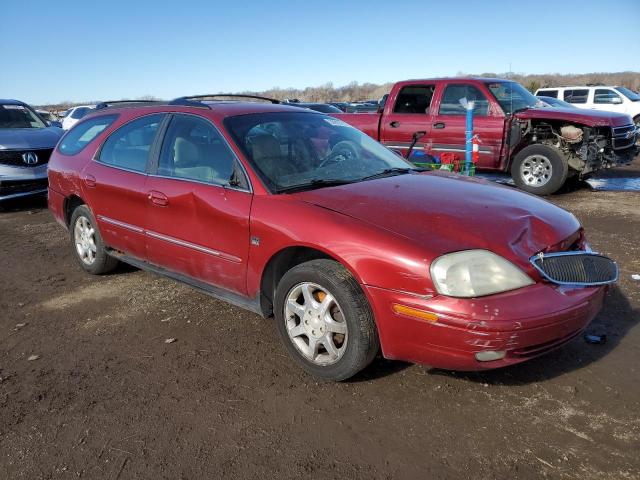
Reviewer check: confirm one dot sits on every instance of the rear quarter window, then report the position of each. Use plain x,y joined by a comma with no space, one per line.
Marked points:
578,95
82,134
548,93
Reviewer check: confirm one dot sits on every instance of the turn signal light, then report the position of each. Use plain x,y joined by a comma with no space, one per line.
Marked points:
414,312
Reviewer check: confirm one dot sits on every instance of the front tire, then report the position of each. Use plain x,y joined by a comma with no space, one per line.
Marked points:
88,248
325,320
539,169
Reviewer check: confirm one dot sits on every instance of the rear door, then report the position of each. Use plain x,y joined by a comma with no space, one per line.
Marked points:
449,124
198,204
410,113
115,184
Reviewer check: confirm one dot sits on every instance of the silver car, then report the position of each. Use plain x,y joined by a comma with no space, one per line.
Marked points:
26,143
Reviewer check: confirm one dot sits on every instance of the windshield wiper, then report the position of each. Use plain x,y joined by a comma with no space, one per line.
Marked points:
317,183
388,172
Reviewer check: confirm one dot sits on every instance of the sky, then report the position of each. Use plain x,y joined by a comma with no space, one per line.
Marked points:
80,50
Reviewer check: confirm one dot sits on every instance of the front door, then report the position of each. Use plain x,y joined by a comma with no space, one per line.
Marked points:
449,125
115,185
199,203
608,100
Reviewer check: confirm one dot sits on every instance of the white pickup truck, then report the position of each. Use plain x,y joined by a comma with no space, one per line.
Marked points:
599,97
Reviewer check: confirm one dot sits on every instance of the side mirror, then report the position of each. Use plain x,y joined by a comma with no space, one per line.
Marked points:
54,124
616,100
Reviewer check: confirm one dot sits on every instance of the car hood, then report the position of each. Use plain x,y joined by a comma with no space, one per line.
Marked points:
29,138
445,213
591,118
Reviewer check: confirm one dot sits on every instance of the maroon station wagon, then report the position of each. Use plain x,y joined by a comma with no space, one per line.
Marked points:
297,215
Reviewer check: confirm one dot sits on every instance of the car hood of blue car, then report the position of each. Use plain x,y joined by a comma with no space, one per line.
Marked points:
29,138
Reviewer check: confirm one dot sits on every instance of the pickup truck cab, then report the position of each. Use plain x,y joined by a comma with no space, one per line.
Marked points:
541,147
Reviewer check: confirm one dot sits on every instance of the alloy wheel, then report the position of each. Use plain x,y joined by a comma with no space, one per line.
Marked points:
536,170
85,239
315,323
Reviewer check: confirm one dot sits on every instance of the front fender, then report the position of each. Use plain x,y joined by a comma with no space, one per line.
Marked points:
375,257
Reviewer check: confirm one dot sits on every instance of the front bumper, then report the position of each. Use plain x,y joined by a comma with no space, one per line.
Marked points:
16,182
525,323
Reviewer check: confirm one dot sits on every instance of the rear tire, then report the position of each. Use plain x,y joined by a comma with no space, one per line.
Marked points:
325,320
87,245
539,169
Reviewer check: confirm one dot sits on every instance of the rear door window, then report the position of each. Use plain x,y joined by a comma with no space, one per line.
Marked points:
578,95
80,136
450,103
414,99
130,145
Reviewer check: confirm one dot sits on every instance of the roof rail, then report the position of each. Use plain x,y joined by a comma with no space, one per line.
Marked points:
133,103
188,101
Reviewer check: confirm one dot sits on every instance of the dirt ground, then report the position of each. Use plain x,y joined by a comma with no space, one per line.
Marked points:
107,398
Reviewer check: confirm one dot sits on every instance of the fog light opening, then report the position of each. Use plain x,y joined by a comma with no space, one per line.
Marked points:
490,355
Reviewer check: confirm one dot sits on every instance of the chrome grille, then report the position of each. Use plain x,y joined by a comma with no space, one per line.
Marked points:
15,158
576,268
623,137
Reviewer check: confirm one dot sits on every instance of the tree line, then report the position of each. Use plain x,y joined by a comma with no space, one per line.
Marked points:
355,91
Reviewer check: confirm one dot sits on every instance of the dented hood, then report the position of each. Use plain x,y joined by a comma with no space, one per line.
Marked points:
445,213
590,118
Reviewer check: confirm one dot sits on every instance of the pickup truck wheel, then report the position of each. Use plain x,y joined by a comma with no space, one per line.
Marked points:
87,243
539,169
325,321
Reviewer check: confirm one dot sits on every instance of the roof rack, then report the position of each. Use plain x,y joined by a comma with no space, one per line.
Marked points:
191,100
133,103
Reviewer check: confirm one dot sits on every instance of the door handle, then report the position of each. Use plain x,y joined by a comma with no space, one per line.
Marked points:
394,124
438,125
90,181
158,198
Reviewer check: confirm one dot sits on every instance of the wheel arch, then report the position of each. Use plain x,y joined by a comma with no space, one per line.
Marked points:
284,260
70,203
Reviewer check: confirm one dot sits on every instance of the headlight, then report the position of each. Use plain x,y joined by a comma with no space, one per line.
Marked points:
474,273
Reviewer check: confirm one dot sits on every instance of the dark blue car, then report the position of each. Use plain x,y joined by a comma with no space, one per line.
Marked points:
26,143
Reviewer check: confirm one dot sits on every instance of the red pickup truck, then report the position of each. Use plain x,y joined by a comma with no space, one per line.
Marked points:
540,146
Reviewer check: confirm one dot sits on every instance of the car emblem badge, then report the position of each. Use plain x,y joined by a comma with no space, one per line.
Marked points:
30,158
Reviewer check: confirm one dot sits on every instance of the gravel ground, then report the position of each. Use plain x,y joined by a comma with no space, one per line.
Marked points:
89,388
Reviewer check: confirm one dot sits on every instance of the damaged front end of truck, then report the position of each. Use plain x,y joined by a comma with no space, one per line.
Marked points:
586,145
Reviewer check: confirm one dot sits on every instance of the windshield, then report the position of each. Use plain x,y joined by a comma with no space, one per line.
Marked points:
19,116
80,112
555,102
630,94
512,96
290,150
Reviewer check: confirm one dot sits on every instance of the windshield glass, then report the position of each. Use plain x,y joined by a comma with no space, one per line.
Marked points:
19,116
289,149
630,94
512,96
80,112
555,102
